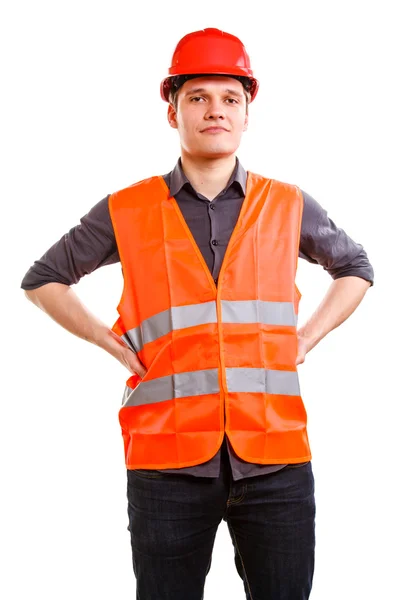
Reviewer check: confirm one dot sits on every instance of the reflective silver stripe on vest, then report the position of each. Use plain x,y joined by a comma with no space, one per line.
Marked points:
196,383
179,317
179,385
263,380
258,311
128,341
233,311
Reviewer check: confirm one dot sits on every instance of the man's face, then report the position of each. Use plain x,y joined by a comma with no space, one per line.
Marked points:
211,116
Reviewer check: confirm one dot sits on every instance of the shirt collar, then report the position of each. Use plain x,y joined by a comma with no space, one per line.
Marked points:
178,178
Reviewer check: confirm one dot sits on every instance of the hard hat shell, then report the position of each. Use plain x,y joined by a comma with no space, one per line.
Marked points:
213,52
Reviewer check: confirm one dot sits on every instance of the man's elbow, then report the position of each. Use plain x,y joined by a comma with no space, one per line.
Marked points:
29,294
32,295
43,291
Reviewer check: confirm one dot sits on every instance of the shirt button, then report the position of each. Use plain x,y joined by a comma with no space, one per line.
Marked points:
215,280
214,242
212,206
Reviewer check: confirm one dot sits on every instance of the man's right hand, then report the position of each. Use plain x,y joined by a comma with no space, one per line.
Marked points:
129,359
113,344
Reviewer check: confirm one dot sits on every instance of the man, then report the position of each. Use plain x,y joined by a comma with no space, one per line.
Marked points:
213,423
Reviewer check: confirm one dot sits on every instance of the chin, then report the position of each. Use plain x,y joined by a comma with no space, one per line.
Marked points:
215,151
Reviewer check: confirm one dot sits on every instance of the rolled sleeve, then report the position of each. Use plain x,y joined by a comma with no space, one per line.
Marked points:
82,250
323,243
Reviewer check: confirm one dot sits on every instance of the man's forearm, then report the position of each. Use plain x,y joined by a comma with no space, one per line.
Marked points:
61,303
340,301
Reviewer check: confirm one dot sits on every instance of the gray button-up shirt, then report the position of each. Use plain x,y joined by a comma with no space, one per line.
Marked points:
91,245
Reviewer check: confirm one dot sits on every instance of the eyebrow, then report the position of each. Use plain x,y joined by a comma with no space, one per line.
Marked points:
203,90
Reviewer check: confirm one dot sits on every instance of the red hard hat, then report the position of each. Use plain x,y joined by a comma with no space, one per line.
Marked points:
210,52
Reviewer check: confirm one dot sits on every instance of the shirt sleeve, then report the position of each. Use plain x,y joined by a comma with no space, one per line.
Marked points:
323,243
85,248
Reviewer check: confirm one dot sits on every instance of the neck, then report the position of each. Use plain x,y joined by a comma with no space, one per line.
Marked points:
208,176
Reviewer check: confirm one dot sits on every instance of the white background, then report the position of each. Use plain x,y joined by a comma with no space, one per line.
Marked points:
82,117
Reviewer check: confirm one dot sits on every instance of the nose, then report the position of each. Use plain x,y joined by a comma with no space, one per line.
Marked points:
215,110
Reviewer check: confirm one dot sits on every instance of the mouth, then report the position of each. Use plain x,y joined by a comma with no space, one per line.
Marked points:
213,130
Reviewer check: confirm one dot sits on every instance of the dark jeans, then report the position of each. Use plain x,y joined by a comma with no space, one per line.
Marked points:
173,521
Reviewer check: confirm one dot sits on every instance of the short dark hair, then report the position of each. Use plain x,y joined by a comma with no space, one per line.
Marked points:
178,81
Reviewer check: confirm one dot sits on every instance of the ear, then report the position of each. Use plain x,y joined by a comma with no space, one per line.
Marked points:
172,116
246,122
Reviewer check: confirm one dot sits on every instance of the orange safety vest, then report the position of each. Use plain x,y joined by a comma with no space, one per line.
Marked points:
217,358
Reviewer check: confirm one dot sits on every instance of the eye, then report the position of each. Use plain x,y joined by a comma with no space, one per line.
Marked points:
196,98
232,101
